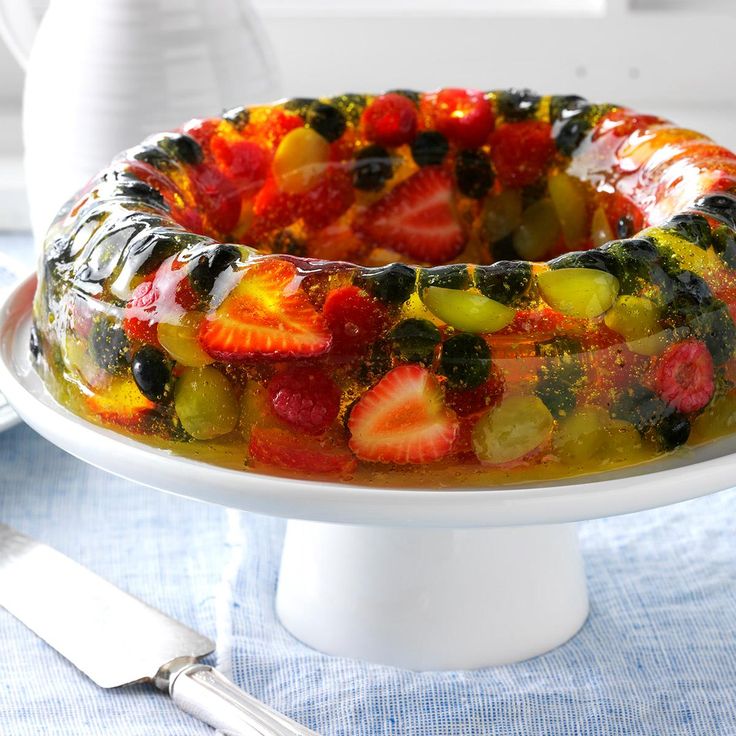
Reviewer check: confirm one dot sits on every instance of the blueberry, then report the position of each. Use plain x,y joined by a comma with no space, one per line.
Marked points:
505,250
373,167
641,407
153,156
571,134
672,431
720,207
473,173
564,106
141,192
237,116
533,192
151,372
559,378
465,360
410,94
286,242
429,148
625,226
146,254
556,393
210,265
504,281
415,340
715,327
393,284
688,296
517,104
299,105
724,243
108,345
692,227
351,105
634,260
34,344
182,148
327,120
454,276
598,259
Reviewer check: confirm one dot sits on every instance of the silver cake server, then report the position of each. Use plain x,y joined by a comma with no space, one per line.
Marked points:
116,639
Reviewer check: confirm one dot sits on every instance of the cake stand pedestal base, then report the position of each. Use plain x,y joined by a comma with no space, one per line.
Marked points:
432,598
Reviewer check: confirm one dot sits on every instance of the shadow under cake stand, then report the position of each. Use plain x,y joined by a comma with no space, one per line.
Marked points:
421,579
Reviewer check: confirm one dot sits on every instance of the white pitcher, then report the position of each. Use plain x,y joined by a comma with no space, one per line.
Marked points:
103,74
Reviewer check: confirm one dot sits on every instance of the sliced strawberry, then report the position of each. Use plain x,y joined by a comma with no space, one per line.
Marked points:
403,419
278,447
464,115
266,316
521,152
329,198
306,398
355,319
684,376
390,120
244,162
417,217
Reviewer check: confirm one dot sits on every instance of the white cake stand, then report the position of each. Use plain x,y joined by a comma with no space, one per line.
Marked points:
422,579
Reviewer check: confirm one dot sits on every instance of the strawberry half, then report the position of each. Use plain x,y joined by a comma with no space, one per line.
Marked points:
278,447
267,315
403,419
417,217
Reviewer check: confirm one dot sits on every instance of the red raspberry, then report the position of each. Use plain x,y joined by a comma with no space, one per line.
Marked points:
305,398
521,152
478,399
390,120
329,198
217,196
465,116
355,319
684,375
273,209
278,124
245,162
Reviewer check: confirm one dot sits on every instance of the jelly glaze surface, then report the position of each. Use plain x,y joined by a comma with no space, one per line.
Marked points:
451,288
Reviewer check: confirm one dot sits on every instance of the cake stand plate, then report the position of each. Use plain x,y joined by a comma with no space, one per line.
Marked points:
422,579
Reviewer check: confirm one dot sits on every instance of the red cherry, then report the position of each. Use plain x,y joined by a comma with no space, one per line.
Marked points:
521,152
390,120
464,115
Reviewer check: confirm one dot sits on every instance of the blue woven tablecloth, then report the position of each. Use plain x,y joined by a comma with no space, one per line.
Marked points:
656,658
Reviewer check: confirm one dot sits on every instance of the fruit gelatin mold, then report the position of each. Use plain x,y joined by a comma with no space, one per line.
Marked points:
439,289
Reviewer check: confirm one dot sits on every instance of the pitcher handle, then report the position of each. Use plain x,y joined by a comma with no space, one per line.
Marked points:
18,28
